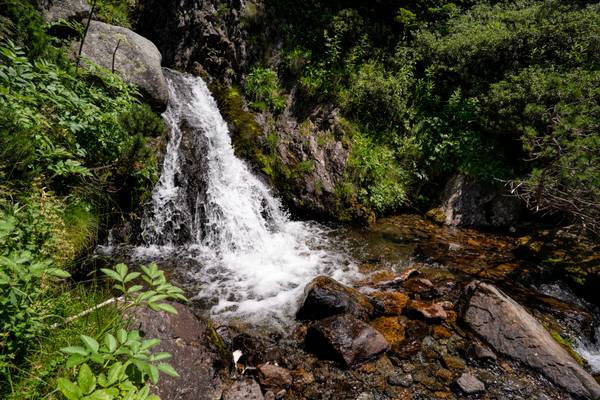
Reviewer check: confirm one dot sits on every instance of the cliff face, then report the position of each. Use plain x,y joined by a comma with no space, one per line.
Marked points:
300,150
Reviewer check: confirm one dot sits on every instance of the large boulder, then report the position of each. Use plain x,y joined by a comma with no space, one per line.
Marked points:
187,339
325,297
467,202
511,330
345,339
136,59
54,10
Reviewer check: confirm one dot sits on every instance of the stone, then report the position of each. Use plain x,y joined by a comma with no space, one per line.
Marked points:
325,297
512,331
428,310
404,380
482,352
137,60
389,303
246,389
466,202
274,377
470,384
419,285
187,339
453,363
441,332
54,10
391,329
345,339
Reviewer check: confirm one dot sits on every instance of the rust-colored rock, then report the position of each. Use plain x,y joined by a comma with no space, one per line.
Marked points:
428,310
325,297
441,332
454,363
391,329
389,303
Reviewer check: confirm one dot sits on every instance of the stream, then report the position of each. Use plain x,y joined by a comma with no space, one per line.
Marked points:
244,261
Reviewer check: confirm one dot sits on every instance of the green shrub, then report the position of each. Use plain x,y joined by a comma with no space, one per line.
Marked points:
262,85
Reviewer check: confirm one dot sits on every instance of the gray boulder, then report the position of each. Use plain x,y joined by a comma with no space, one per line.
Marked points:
137,59
511,330
187,339
54,10
467,202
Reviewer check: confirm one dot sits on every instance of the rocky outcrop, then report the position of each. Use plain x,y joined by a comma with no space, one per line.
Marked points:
511,330
136,59
54,10
325,297
345,339
210,34
187,339
467,202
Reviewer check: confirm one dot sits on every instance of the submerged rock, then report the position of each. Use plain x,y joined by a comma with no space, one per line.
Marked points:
389,303
511,330
274,377
470,384
345,339
325,297
54,10
136,59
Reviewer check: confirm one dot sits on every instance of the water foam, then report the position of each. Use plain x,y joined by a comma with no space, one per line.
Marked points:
252,260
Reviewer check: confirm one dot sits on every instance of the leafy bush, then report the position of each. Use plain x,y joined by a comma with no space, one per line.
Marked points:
262,85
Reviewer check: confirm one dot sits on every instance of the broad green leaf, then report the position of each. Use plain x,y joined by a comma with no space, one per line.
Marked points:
100,395
74,360
161,356
57,272
168,369
147,344
122,335
112,274
70,390
163,307
86,379
114,373
121,270
153,373
110,342
135,288
90,343
131,276
75,350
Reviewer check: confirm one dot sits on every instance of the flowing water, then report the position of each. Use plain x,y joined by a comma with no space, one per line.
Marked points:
250,258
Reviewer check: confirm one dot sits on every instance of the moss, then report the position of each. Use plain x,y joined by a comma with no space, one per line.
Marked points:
568,346
437,215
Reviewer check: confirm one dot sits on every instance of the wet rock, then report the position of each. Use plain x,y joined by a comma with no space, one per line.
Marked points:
389,303
470,384
136,59
466,202
441,332
345,339
391,329
428,310
421,286
186,338
405,380
482,352
54,10
274,377
444,374
511,330
325,297
246,389
453,363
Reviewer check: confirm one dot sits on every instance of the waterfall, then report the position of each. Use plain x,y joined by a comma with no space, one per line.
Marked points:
251,259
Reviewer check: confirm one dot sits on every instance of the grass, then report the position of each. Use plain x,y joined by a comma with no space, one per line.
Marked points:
45,363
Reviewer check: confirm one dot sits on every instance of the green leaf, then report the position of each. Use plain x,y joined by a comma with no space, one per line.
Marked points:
153,372
114,373
75,350
86,379
122,335
70,390
161,356
163,307
131,276
110,273
121,270
168,369
135,288
57,272
74,360
100,395
149,344
90,343
110,342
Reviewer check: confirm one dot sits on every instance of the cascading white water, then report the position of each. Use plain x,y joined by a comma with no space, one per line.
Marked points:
253,260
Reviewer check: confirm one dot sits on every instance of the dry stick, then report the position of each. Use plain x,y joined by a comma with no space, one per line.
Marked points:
114,54
85,32
86,312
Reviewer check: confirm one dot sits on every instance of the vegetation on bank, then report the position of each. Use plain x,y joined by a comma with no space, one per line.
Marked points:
75,157
501,91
